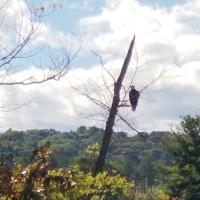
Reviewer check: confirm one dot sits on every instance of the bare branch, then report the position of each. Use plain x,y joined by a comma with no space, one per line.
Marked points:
9,56
129,124
94,100
12,107
126,91
153,81
102,64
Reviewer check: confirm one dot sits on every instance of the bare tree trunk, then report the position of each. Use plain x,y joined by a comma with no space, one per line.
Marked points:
113,112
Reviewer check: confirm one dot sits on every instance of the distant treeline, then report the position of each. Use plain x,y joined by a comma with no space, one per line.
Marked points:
136,157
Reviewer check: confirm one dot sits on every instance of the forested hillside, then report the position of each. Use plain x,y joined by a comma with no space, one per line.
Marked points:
136,157
60,165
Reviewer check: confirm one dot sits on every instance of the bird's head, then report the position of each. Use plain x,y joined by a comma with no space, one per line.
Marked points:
132,87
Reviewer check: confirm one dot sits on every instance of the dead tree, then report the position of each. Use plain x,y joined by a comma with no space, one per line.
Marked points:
113,112
117,94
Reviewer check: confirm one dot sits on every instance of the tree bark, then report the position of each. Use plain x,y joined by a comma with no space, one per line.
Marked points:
113,111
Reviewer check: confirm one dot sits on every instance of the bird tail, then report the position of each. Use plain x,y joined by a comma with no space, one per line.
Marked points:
133,108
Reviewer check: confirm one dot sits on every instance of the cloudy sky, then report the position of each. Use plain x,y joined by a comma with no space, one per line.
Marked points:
167,43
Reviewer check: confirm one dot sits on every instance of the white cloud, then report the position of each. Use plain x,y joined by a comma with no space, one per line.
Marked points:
17,21
52,104
15,24
160,33
166,38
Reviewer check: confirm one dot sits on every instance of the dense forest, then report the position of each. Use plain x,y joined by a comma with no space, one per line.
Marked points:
135,157
153,166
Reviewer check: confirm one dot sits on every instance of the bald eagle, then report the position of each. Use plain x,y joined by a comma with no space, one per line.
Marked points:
133,97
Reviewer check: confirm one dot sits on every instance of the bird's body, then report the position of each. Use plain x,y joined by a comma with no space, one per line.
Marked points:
133,97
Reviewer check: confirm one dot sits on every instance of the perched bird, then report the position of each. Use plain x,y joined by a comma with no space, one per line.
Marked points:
133,97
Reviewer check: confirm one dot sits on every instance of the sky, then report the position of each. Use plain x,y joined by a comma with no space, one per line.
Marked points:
167,44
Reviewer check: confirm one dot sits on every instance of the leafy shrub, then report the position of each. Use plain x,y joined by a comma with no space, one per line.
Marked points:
37,182
153,194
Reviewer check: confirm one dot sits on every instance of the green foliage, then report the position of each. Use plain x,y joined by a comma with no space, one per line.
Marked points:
87,159
127,155
185,174
104,186
65,171
37,182
153,194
